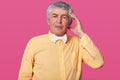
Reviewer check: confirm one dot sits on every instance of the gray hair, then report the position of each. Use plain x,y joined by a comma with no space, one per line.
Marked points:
61,5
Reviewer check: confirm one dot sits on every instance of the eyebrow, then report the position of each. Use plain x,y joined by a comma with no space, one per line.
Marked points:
54,14
61,15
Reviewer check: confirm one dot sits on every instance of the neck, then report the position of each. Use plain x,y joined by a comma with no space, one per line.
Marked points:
59,35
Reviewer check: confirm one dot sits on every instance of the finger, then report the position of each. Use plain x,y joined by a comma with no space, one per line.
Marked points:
75,19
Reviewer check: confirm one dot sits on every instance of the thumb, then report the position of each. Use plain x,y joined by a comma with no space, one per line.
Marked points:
71,29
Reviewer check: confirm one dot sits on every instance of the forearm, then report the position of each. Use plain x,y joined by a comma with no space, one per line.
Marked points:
81,33
24,77
25,72
91,54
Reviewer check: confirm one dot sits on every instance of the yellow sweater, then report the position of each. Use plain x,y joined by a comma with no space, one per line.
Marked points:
45,60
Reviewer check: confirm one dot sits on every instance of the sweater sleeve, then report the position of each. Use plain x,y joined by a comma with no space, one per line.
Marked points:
25,72
90,53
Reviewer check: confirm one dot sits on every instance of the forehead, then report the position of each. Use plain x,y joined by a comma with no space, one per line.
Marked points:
58,11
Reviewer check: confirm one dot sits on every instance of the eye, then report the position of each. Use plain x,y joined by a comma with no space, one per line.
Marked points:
64,17
54,16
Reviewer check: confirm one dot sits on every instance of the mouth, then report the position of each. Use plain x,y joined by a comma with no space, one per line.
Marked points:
59,27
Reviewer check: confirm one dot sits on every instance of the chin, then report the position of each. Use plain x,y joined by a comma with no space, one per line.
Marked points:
59,34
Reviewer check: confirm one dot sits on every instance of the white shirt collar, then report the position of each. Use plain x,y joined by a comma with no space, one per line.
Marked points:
63,38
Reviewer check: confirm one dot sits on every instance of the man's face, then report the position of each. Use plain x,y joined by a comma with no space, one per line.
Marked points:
58,21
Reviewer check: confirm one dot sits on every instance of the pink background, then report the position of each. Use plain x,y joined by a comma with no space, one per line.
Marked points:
22,19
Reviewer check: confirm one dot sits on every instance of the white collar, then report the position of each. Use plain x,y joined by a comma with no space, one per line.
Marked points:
63,38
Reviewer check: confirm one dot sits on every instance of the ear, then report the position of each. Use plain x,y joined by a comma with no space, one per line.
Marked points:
48,22
70,20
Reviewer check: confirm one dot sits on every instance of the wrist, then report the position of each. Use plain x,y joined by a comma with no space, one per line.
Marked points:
81,34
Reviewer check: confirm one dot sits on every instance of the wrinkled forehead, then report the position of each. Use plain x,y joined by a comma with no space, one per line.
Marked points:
59,11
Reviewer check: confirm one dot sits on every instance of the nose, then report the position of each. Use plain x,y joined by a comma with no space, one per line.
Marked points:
59,20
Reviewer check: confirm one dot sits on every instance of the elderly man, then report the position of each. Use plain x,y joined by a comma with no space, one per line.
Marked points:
57,56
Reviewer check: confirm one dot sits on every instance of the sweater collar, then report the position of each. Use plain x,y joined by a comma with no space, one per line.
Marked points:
54,37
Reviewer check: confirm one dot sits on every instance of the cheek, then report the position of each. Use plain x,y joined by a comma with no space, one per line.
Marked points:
52,22
65,21
66,24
